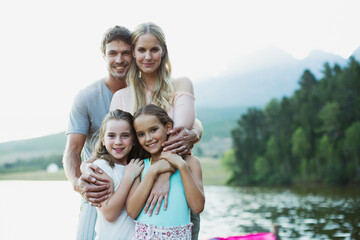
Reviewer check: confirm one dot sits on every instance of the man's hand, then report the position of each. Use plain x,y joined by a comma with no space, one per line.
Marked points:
181,140
92,187
88,167
159,192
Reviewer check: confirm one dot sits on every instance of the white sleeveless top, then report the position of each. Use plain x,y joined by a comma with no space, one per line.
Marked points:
123,227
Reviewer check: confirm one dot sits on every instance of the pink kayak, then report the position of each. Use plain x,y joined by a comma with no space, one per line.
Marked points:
255,236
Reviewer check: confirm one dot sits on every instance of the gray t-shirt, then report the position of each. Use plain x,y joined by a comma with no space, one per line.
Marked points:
89,109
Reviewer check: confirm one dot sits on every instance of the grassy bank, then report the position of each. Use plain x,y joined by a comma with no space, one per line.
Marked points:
35,175
213,173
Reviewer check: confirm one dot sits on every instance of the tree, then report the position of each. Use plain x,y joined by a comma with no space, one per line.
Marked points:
352,148
248,140
301,150
312,136
329,115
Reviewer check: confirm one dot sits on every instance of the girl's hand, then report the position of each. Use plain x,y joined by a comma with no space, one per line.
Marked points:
134,168
162,166
172,158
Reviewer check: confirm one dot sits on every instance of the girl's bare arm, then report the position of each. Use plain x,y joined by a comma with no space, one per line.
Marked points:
191,176
141,189
112,207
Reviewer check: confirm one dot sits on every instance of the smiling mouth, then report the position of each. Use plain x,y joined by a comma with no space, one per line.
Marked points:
148,64
151,145
118,150
120,68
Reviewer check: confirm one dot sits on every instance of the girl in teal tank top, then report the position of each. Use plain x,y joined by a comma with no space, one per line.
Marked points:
152,124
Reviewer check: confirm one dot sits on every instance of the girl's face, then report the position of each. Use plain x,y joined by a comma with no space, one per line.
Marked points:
151,133
118,139
148,53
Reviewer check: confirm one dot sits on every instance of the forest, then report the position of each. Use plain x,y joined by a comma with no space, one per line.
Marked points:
311,137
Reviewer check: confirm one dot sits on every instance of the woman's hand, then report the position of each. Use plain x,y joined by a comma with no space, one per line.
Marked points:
181,140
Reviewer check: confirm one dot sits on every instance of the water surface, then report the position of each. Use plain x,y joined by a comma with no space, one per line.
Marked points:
49,210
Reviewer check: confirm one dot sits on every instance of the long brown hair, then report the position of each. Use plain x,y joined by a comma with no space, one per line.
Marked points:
156,111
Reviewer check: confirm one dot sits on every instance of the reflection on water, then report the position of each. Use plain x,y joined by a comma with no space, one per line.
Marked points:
49,210
302,213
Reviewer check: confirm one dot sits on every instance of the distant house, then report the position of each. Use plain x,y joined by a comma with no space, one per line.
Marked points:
52,168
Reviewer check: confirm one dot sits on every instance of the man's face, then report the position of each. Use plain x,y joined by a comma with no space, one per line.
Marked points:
118,58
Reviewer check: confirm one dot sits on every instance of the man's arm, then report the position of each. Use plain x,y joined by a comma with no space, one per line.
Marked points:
88,186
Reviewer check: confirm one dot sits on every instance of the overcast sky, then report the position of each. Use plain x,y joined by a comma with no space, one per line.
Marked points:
50,50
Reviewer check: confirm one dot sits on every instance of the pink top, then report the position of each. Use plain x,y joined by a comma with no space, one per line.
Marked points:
182,111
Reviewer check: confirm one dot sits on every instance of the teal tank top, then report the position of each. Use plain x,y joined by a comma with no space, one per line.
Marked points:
177,212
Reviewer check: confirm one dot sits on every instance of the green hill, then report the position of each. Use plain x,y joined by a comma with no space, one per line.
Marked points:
53,142
30,148
217,123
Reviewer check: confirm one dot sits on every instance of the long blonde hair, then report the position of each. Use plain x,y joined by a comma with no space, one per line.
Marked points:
162,95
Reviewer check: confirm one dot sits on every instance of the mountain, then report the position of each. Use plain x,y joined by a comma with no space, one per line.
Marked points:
34,147
217,122
316,60
356,54
263,75
251,81
50,142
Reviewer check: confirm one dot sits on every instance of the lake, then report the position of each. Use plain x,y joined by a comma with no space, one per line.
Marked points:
49,210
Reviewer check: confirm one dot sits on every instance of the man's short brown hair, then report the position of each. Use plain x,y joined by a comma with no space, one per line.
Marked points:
115,33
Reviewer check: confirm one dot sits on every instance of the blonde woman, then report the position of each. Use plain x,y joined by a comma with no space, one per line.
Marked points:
149,82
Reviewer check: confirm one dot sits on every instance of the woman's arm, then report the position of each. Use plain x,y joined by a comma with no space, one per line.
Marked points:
191,177
184,103
186,130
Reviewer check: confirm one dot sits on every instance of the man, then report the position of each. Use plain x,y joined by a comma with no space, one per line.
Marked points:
88,110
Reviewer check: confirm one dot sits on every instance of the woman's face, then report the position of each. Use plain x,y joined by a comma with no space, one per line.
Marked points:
148,53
